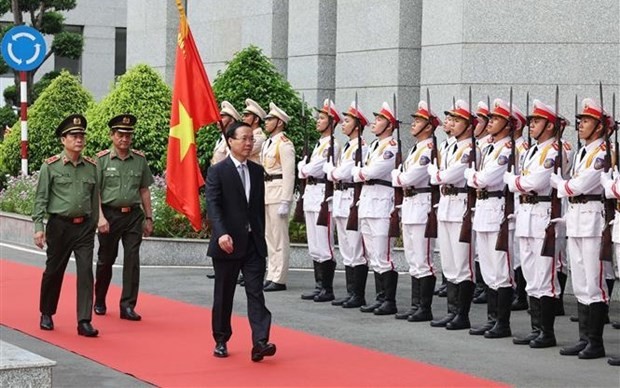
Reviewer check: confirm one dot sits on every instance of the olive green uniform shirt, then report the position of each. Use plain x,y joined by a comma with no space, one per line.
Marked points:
122,179
66,189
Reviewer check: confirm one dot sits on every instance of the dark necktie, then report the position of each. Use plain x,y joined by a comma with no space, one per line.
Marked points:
346,146
583,154
533,152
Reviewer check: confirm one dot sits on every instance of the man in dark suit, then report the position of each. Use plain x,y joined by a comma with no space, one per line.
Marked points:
235,195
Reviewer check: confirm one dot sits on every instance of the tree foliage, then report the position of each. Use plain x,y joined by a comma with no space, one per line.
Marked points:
64,96
141,92
250,74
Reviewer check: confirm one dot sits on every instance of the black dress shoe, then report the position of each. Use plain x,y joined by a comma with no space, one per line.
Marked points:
129,314
267,282
211,275
100,309
46,322
241,281
86,329
275,287
615,361
220,351
262,349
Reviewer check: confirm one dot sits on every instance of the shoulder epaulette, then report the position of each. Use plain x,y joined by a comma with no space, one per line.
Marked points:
556,146
430,144
102,153
393,142
526,145
52,159
567,146
508,144
603,147
284,138
89,160
137,152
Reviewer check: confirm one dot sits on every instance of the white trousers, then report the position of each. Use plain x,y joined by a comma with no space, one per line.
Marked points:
457,259
278,244
418,250
320,238
539,271
587,271
349,244
377,243
495,266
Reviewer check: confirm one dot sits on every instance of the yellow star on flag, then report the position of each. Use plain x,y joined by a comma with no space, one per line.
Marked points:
184,130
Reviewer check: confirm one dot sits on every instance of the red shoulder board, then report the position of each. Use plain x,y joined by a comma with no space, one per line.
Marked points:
284,138
393,142
603,147
89,160
430,144
102,153
567,146
137,152
508,144
526,146
556,146
52,159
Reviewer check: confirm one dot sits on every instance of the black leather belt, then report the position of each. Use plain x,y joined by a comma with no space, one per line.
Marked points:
71,220
121,209
343,185
315,181
269,178
483,194
411,191
372,182
533,199
585,198
451,190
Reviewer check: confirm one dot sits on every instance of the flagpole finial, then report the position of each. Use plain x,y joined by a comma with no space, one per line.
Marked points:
183,26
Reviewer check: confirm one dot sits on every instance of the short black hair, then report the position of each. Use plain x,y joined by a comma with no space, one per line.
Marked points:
232,129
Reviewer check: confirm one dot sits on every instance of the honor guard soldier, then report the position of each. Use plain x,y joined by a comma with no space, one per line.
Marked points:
229,115
456,257
320,238
584,226
68,192
413,178
253,115
488,180
125,214
375,206
278,160
349,241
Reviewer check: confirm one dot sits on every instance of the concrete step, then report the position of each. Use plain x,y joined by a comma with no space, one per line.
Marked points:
21,368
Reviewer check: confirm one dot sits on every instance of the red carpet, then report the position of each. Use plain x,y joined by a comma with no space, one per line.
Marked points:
173,345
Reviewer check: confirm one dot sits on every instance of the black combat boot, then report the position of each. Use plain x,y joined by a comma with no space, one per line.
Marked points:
583,314
318,284
535,317
442,290
360,274
328,269
379,298
466,294
596,324
425,313
610,288
348,276
501,329
520,302
390,282
452,292
415,300
491,314
559,305
548,311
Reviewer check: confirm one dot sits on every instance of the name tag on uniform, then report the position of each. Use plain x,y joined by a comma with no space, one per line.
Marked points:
110,169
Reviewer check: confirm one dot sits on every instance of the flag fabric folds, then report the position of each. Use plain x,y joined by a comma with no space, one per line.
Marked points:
193,106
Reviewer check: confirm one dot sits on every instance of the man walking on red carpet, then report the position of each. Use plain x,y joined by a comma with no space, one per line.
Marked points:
235,194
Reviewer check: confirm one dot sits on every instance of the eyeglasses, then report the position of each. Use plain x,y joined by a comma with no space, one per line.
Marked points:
245,139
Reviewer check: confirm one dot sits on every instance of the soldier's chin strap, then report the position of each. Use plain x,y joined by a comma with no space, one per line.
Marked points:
598,122
463,131
384,129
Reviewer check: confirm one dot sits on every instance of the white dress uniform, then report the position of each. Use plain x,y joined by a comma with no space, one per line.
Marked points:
349,241
377,202
495,265
612,191
259,140
320,238
278,160
220,151
415,208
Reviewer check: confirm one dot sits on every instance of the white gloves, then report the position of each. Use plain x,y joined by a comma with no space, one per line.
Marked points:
328,167
469,172
300,166
556,181
355,172
509,179
432,169
395,174
284,209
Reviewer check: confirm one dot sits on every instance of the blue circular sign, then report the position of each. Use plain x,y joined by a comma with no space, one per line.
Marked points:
23,48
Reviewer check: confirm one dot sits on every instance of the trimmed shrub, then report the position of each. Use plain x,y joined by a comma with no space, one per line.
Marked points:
141,92
64,96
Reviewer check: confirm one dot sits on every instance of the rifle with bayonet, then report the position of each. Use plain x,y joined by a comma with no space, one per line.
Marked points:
548,247
503,237
298,214
431,223
527,112
394,229
352,221
466,227
324,216
606,251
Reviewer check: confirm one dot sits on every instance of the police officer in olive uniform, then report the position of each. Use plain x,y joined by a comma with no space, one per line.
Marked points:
67,191
124,177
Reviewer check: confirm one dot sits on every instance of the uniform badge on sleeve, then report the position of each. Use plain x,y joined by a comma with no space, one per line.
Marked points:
325,152
549,163
502,160
465,158
388,155
599,163
424,160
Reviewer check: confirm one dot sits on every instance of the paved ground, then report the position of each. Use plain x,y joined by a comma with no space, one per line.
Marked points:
494,359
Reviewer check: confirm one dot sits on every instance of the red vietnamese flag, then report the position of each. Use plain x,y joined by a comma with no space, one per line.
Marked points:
193,106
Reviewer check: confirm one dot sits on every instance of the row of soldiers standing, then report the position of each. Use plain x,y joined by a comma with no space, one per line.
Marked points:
454,167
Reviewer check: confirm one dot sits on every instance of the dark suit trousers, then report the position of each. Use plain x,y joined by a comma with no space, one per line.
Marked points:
62,238
226,272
